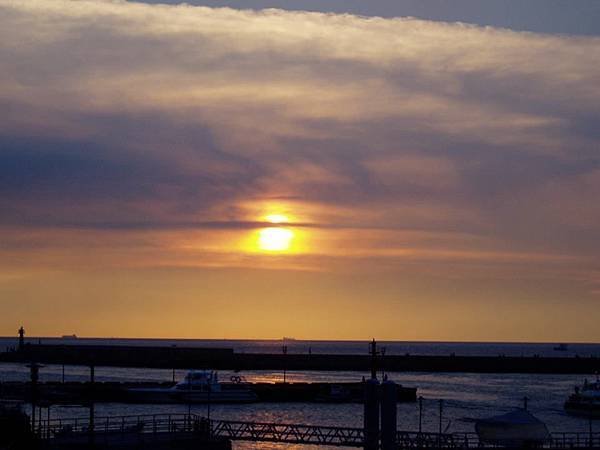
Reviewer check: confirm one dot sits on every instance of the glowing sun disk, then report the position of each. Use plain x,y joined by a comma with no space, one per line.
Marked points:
276,218
275,239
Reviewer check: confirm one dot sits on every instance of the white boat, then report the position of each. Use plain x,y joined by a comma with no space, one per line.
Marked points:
585,400
515,429
198,386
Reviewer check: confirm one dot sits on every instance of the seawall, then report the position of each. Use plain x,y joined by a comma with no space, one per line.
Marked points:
227,359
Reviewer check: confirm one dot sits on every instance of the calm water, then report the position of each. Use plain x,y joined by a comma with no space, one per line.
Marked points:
465,395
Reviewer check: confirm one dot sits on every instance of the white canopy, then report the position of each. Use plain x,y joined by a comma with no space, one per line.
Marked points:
514,429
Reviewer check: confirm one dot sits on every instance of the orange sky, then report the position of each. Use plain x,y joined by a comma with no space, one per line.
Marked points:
182,171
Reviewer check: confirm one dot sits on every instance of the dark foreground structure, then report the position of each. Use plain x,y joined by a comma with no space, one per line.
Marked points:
189,431
164,431
220,359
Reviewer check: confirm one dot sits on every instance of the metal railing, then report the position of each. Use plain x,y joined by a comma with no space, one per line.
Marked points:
416,440
149,423
174,426
288,433
557,440
572,439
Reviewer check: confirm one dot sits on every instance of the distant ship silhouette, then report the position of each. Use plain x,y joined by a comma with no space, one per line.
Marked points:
69,336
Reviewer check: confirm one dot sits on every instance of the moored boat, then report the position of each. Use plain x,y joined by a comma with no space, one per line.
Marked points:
585,400
198,386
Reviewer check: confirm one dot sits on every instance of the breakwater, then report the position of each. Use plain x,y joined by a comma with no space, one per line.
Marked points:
227,359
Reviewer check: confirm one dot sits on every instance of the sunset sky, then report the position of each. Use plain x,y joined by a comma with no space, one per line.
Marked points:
335,170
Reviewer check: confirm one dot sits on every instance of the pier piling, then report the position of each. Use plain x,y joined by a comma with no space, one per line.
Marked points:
388,415
371,414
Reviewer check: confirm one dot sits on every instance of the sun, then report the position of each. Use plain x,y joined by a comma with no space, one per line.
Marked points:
275,239
277,234
276,218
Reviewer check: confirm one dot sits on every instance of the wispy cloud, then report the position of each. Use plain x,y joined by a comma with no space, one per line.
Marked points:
130,117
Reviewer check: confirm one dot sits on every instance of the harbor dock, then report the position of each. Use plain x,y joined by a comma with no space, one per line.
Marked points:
115,392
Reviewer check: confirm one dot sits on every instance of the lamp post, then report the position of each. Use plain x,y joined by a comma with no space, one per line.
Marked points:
420,414
91,404
440,423
189,386
34,371
590,417
284,349
173,347
208,403
382,353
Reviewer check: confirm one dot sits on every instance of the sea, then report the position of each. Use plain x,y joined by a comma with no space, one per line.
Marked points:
464,397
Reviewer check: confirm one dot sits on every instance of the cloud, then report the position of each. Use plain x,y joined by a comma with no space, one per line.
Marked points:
546,16
130,116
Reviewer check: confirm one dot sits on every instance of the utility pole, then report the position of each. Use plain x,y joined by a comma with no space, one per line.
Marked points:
382,353
420,414
34,371
440,424
91,404
173,361
590,425
189,386
208,405
284,349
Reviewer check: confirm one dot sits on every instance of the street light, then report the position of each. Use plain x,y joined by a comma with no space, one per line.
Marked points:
284,348
34,371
